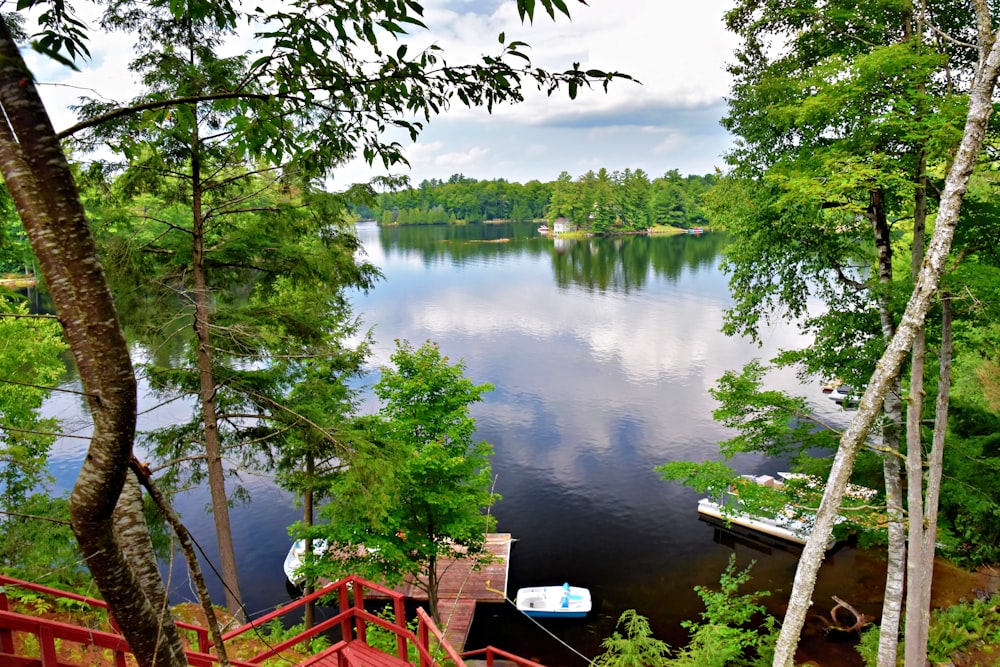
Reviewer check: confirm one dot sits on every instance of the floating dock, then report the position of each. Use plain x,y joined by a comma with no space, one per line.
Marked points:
462,586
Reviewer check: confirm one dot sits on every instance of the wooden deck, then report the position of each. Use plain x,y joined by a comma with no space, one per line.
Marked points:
462,586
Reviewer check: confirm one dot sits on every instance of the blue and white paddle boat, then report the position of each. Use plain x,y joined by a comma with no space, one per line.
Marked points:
554,601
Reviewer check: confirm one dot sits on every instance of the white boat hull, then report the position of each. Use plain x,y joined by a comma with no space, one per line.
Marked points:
791,528
295,556
793,531
554,601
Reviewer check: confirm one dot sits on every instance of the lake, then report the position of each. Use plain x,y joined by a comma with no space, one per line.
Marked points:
602,352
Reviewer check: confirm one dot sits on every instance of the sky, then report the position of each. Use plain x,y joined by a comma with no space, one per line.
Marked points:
676,49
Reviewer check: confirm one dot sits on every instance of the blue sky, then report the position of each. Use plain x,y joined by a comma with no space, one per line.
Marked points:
677,49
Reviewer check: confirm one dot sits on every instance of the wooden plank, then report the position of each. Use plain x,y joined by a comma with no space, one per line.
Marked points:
456,619
460,579
359,654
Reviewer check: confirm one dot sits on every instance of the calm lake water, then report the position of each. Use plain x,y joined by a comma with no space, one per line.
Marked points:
602,352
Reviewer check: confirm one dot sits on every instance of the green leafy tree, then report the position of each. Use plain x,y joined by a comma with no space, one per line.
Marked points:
424,494
726,635
632,192
568,201
928,280
312,430
39,178
205,143
825,172
37,542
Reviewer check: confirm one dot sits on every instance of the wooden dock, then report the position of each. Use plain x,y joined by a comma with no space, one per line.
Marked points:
462,586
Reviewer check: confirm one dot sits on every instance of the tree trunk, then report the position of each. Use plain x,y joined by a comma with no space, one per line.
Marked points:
892,602
915,499
895,575
956,183
133,534
432,590
187,546
915,604
923,534
919,568
309,617
206,377
41,184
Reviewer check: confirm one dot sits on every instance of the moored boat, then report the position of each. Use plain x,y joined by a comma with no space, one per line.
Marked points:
554,601
846,395
787,524
296,554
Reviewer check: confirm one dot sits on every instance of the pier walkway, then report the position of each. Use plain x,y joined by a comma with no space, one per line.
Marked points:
462,585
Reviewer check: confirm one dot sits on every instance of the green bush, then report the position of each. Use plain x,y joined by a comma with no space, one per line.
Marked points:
726,636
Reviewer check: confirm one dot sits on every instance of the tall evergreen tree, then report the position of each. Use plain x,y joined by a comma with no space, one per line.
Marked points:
37,174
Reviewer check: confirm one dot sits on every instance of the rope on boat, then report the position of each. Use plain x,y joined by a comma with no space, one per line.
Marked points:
545,629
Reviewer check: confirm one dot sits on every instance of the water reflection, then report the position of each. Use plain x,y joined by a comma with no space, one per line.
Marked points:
602,352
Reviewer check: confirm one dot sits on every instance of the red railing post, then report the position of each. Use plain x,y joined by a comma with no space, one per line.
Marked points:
47,646
359,603
399,608
346,629
423,640
204,643
6,636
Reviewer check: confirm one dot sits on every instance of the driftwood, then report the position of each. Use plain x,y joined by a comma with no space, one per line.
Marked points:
860,620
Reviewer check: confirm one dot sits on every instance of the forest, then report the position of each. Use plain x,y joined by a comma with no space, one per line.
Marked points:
859,197
599,202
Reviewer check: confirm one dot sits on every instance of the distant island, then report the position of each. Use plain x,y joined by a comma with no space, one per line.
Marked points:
599,202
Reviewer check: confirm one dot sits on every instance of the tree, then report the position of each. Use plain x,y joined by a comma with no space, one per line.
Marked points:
819,156
37,543
38,177
632,190
568,201
315,429
956,183
422,495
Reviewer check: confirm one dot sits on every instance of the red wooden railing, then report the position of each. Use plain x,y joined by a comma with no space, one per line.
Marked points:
353,621
47,631
492,653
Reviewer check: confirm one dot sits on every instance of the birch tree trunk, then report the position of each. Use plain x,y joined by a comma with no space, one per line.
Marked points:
38,177
892,604
915,499
956,183
923,533
133,534
895,572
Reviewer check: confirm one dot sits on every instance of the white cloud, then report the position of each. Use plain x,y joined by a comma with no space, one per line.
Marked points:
677,49
460,159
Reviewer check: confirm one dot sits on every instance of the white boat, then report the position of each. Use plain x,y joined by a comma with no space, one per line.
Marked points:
295,556
846,395
554,601
786,524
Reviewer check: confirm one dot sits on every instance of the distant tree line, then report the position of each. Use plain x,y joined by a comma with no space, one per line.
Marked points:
599,201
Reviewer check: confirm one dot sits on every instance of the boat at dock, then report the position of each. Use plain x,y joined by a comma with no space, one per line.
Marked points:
554,601
787,523
296,554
